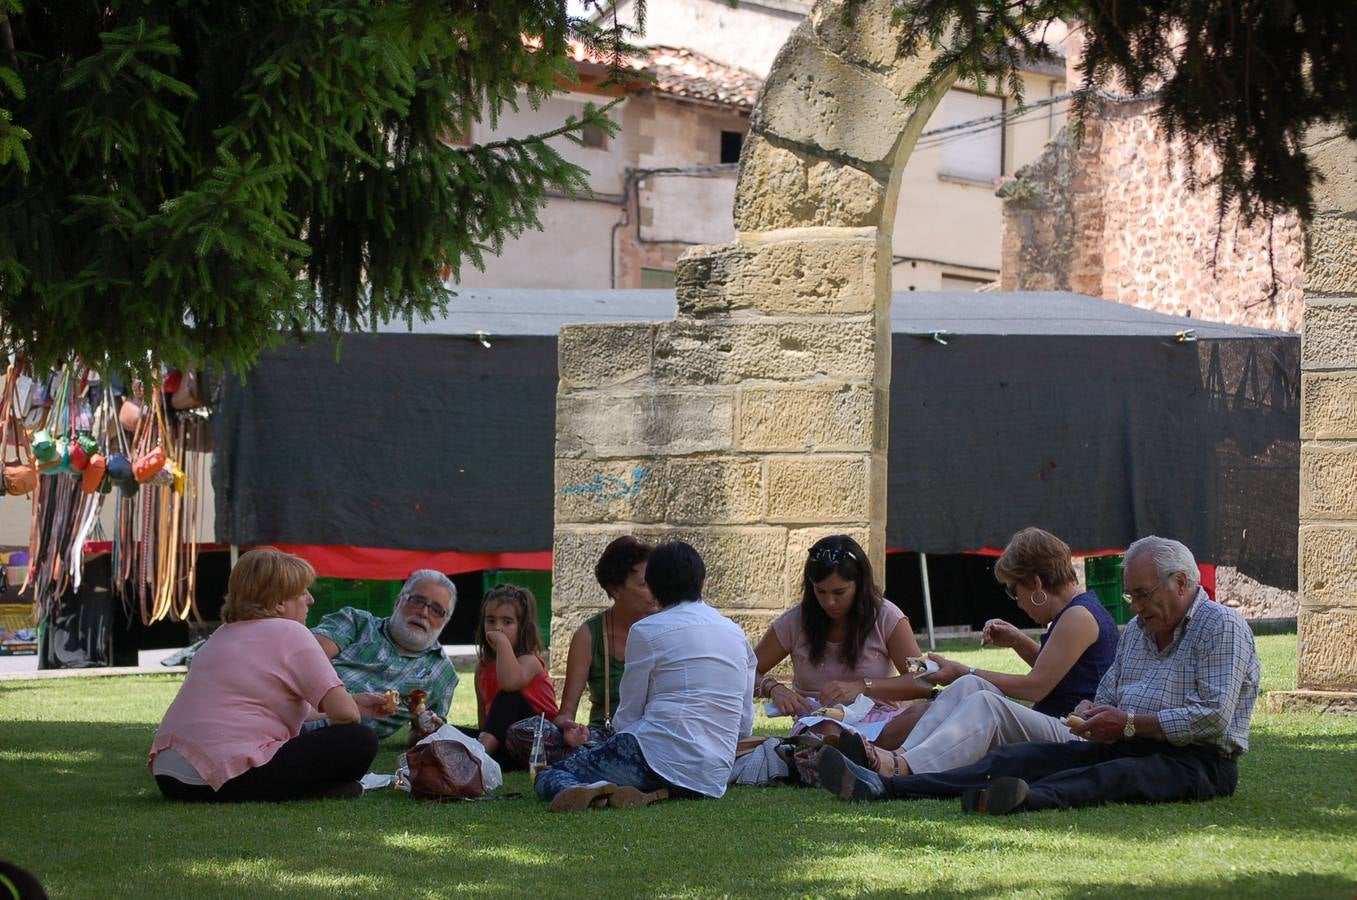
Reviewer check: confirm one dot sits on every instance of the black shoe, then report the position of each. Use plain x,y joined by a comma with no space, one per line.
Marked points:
854,748
847,780
1003,796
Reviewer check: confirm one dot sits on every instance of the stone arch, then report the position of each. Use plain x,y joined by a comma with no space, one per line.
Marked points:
755,422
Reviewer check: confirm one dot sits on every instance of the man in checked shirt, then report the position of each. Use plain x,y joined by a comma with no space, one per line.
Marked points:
1168,723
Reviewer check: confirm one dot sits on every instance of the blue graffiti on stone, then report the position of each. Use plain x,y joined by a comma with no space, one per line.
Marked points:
609,487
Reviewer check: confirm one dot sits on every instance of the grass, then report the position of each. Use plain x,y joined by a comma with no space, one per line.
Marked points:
80,810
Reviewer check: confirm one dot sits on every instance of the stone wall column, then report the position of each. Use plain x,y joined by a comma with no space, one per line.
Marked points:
1326,672
755,422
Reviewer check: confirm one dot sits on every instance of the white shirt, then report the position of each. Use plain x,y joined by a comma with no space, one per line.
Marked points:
687,694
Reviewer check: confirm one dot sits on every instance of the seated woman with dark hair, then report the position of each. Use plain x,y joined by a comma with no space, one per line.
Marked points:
844,639
233,731
686,701
597,656
975,715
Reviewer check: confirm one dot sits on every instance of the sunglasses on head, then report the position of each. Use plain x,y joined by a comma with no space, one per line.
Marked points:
832,556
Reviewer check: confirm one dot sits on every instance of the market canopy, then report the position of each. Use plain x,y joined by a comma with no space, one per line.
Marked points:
1098,421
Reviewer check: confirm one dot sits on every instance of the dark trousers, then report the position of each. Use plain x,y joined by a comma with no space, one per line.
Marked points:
1082,773
311,763
506,709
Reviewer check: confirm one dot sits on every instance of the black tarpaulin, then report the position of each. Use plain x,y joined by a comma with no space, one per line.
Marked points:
1095,420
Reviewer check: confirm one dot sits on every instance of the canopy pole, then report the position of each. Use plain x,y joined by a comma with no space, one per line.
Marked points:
928,600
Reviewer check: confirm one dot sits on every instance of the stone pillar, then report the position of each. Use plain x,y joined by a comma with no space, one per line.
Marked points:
755,422
1326,672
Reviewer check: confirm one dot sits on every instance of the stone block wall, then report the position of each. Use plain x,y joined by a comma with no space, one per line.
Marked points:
755,422
1114,216
1327,622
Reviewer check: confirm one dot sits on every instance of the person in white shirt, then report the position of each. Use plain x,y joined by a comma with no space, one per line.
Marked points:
686,699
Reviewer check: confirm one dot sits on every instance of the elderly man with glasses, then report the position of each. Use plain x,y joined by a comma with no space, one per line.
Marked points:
1168,723
400,653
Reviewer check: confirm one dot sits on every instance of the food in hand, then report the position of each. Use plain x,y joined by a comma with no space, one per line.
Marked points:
1073,721
918,665
393,702
830,712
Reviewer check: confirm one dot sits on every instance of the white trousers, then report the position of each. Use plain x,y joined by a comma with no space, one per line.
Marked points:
968,720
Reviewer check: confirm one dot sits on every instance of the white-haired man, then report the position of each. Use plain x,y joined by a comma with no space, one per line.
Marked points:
1168,723
400,653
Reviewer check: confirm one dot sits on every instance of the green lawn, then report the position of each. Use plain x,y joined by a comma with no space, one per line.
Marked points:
81,811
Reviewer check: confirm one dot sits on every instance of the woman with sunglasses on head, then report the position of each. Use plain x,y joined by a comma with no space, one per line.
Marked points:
844,639
974,715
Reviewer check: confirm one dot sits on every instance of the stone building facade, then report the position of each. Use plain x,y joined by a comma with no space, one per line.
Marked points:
1115,216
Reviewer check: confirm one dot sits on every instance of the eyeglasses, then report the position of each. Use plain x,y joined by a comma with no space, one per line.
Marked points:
415,601
1142,595
832,556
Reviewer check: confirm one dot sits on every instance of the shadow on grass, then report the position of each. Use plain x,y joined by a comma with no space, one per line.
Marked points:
89,820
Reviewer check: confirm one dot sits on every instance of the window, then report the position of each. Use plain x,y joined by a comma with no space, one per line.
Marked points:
731,142
976,153
657,278
594,136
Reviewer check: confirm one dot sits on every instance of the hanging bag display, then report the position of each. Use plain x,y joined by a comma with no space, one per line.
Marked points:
20,476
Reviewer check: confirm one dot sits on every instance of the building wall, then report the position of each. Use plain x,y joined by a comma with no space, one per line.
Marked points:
948,226
1114,217
747,35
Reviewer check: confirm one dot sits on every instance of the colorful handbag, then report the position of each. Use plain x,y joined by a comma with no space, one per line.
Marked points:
44,446
149,463
93,474
119,468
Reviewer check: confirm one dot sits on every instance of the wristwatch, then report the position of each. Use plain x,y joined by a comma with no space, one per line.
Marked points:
1129,731
866,685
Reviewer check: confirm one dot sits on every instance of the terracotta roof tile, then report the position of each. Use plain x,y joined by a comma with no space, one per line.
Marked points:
683,73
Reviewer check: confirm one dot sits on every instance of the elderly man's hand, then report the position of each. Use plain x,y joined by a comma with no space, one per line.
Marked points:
372,705
1102,724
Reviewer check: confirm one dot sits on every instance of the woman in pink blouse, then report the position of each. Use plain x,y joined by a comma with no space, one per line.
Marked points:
232,732
844,639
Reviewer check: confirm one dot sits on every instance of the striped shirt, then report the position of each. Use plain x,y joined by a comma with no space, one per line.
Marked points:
369,661
1202,686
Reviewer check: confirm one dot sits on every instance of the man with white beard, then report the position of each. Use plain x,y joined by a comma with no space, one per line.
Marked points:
400,653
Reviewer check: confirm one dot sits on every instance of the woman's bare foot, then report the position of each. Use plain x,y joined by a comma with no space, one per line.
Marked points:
488,741
886,763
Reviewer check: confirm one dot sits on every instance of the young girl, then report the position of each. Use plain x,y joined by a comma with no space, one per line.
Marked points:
511,679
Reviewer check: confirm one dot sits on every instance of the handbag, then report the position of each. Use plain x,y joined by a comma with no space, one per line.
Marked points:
93,475
19,477
190,393
149,463
444,770
448,765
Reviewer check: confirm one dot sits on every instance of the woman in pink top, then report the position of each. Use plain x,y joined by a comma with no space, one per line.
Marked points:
844,639
232,732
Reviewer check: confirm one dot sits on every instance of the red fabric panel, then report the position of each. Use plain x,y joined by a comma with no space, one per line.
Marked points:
337,561
1208,571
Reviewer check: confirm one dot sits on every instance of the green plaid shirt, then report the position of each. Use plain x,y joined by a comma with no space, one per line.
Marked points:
369,661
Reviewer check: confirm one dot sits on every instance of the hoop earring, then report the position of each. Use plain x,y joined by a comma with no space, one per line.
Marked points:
1045,597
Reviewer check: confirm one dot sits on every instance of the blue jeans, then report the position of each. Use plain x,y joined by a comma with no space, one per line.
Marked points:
618,760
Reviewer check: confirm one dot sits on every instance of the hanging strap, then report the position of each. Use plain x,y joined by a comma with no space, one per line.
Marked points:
607,671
